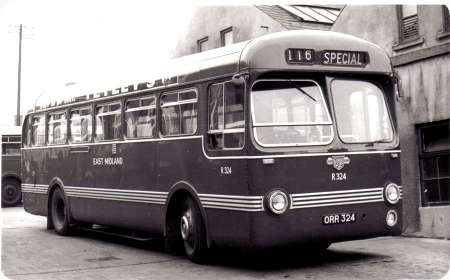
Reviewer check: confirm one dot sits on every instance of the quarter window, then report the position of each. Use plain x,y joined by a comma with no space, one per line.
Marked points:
226,116
435,163
140,117
179,113
80,125
38,130
108,122
57,128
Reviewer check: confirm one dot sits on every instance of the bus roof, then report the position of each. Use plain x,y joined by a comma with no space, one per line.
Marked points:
265,53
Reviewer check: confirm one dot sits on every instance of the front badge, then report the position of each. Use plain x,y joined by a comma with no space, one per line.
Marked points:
338,162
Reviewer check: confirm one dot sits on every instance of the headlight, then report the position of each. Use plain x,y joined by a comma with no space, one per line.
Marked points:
392,193
391,218
278,202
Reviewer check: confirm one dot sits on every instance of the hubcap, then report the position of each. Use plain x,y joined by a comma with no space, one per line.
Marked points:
10,193
186,226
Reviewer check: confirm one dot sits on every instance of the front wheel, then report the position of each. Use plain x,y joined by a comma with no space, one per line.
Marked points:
11,192
193,231
60,213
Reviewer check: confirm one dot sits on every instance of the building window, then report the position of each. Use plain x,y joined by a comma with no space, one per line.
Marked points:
201,44
446,18
226,37
179,113
225,116
434,163
408,23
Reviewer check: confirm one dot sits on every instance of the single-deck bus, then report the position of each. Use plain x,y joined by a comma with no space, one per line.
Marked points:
289,138
11,188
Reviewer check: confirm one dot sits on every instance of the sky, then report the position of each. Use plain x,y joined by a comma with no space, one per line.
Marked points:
71,48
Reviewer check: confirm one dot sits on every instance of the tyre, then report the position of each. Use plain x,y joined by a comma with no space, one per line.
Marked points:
11,192
60,213
193,231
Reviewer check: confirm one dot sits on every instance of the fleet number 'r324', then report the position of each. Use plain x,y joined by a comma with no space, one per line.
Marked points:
338,176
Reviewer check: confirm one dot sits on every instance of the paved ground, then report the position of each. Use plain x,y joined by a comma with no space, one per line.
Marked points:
29,251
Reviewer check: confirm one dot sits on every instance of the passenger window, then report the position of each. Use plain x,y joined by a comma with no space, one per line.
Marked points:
108,122
140,117
57,128
38,130
226,116
80,125
179,113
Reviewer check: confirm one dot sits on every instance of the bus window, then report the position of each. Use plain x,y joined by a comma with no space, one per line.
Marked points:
80,125
108,122
11,149
140,116
290,113
57,128
369,120
38,130
179,113
226,116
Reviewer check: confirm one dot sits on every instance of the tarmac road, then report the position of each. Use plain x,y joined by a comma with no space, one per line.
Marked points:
29,251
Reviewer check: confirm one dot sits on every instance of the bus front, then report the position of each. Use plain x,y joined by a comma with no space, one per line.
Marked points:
324,148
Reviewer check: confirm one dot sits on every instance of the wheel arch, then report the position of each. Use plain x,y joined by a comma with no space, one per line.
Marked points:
177,193
52,186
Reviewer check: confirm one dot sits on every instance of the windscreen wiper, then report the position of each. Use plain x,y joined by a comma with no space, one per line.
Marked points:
302,91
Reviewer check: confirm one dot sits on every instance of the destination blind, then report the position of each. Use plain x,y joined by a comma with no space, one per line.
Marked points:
327,57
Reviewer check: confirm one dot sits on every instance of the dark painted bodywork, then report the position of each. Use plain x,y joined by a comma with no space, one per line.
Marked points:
165,165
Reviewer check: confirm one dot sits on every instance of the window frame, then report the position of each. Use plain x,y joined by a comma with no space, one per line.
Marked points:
445,19
291,145
388,108
177,103
71,110
44,116
223,33
200,42
141,108
423,155
400,19
49,122
225,130
96,106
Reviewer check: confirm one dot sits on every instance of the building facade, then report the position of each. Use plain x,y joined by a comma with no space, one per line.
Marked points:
418,40
216,26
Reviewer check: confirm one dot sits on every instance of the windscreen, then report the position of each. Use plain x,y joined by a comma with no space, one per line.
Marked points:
361,112
290,113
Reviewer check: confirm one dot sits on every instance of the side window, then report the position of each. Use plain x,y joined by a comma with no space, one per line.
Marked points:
38,130
226,116
108,122
179,113
11,145
140,117
80,125
57,128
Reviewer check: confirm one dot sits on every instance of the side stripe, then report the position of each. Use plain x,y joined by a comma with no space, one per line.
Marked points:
221,201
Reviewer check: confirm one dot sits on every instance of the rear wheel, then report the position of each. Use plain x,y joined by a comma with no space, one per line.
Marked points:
60,213
11,192
193,231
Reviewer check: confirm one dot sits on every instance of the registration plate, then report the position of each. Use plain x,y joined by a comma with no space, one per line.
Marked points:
341,218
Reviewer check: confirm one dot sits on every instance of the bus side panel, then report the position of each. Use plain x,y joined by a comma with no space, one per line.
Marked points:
183,162
121,167
34,172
